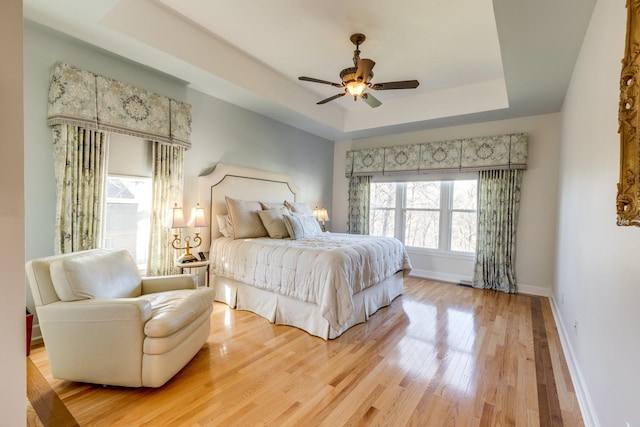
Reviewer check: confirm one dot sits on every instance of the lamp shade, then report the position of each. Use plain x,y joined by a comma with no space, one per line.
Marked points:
320,214
197,217
177,218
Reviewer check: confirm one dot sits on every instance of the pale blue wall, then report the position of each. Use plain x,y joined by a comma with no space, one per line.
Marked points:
221,132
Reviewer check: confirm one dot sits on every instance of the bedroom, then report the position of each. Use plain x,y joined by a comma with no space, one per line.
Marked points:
554,149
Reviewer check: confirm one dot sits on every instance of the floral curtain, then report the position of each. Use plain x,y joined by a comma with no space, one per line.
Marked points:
168,163
358,218
469,154
82,98
498,205
80,158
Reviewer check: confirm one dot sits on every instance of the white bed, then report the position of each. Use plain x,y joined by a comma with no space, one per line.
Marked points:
332,311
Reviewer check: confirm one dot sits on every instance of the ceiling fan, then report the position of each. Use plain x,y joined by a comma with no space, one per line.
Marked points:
358,78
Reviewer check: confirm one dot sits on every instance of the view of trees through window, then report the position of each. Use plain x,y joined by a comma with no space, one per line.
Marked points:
438,215
127,218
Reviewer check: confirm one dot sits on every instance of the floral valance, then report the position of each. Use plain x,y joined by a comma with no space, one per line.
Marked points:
82,98
460,155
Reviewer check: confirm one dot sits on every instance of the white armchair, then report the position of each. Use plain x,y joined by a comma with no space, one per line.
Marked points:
104,324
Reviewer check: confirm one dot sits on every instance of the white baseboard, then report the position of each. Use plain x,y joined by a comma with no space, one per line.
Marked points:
534,290
434,275
454,278
579,385
35,332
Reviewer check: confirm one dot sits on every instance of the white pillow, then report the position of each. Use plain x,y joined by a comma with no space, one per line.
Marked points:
244,218
273,221
301,226
299,207
223,223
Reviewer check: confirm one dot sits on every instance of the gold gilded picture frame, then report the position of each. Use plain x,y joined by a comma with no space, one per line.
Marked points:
628,198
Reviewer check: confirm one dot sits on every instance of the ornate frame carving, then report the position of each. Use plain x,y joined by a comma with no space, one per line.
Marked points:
628,198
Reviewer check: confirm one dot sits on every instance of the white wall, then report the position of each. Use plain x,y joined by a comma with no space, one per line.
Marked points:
535,251
221,132
598,268
12,303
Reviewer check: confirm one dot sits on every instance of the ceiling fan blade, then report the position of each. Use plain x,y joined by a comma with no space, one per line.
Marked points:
331,98
364,70
405,84
311,79
370,100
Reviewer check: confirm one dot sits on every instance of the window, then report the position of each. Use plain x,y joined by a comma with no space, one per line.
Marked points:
383,209
435,215
127,216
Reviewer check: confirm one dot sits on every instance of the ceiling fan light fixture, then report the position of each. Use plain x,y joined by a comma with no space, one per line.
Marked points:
355,88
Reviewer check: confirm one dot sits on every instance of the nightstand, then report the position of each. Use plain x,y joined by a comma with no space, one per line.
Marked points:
195,264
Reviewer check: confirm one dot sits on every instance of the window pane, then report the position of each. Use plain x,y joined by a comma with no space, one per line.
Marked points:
383,195
463,231
382,222
423,195
465,194
127,221
422,229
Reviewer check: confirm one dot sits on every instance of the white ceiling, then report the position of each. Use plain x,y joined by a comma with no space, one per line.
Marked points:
476,60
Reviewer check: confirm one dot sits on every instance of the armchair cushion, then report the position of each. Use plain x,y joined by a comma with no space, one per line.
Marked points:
111,274
173,310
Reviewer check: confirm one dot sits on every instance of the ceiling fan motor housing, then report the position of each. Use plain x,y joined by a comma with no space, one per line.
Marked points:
349,74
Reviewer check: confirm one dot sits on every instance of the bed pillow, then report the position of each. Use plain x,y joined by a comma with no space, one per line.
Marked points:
299,207
244,218
224,225
272,205
300,226
273,221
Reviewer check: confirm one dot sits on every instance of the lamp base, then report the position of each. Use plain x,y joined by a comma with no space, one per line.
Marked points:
188,258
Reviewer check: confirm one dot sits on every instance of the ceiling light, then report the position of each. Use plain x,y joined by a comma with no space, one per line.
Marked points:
355,88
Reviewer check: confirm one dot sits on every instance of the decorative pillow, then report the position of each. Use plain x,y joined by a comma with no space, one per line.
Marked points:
104,274
270,205
244,218
273,221
299,207
300,226
223,223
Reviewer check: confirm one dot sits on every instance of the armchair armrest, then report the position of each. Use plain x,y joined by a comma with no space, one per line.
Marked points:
96,310
151,285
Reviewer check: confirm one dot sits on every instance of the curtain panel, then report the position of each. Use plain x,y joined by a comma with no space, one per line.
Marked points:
498,206
167,189
82,98
461,155
80,160
359,194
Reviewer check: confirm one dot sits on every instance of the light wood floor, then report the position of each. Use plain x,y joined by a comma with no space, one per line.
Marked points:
440,355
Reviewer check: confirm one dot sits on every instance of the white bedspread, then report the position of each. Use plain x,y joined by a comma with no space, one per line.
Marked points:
326,270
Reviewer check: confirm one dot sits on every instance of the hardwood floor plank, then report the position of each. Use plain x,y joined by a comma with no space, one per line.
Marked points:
440,355
45,402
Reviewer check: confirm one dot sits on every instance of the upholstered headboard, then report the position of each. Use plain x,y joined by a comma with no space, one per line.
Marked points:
243,183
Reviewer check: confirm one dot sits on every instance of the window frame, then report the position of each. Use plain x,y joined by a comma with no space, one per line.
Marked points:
446,211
